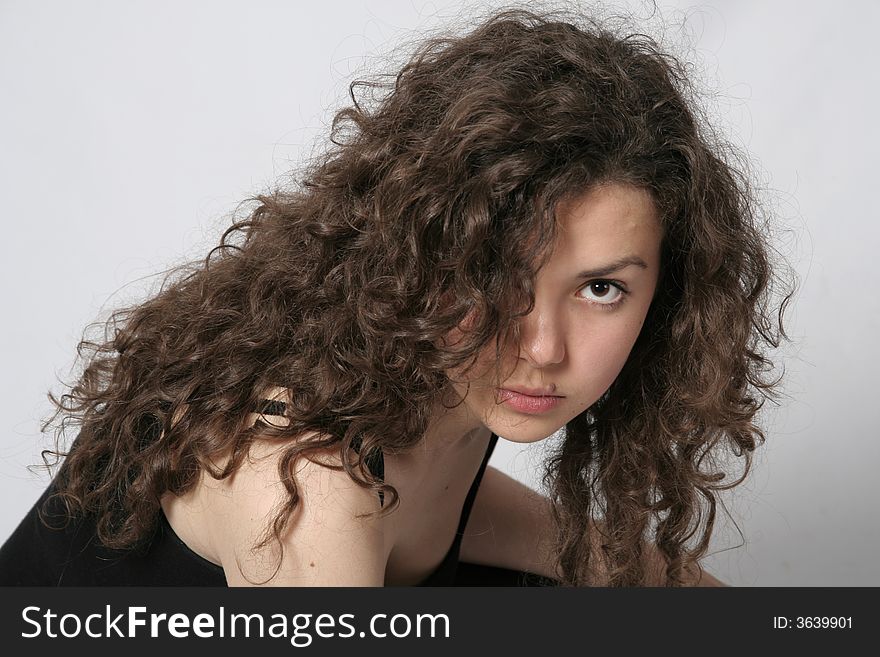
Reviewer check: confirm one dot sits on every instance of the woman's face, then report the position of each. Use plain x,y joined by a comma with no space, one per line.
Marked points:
591,299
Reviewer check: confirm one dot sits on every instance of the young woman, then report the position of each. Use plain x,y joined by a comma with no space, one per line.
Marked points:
528,229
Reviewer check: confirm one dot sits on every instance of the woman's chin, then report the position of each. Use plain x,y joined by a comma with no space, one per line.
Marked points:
524,431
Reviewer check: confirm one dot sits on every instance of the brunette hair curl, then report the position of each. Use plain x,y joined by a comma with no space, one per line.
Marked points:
436,202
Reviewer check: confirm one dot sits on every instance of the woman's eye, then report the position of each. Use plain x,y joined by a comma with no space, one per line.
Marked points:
605,293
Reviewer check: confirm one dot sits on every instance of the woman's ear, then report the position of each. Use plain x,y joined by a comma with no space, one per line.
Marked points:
454,336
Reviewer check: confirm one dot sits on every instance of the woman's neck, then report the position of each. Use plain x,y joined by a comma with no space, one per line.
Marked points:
453,429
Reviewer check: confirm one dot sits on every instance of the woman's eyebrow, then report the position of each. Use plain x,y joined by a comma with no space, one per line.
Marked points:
612,267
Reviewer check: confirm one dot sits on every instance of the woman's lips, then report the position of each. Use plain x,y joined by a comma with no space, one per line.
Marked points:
531,404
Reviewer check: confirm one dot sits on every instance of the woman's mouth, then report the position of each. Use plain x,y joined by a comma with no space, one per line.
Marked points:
531,404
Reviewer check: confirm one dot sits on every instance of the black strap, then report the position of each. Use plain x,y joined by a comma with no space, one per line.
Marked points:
272,407
472,493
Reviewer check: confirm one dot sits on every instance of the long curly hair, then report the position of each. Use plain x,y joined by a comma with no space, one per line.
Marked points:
434,202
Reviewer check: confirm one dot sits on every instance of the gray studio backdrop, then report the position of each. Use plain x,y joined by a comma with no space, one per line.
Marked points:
129,132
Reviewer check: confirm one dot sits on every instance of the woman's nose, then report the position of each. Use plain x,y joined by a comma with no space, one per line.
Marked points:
541,339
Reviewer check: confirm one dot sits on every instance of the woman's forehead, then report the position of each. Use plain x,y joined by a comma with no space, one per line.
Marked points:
613,222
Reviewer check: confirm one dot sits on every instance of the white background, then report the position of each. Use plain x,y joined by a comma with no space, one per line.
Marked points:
129,131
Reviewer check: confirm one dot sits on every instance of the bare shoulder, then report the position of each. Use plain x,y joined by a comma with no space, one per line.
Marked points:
325,542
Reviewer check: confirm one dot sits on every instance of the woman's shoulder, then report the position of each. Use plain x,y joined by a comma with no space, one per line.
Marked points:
331,537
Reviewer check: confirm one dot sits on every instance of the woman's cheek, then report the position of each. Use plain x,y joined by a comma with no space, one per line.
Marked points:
605,358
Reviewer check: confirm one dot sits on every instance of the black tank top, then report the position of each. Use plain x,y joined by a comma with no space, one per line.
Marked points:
71,555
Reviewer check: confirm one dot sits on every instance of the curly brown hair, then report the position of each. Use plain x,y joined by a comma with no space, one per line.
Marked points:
435,203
